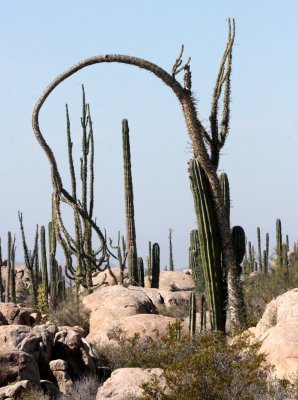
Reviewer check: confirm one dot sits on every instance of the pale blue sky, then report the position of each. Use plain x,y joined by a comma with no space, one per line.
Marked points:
40,39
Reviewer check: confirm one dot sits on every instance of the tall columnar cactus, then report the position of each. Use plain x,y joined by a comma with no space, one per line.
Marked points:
225,191
149,264
279,250
8,284
266,255
192,315
44,266
129,207
287,243
171,260
250,258
30,260
37,273
81,247
155,258
121,255
203,313
13,297
141,271
54,275
238,240
210,245
81,259
195,261
285,261
133,267
259,249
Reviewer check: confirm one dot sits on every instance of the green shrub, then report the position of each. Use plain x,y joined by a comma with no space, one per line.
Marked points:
206,368
210,369
259,290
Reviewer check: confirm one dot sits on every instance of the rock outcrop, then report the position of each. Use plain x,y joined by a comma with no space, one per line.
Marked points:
75,350
278,332
18,366
14,390
125,383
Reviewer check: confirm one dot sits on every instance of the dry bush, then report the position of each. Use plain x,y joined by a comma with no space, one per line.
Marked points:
206,368
34,394
84,388
71,312
261,289
178,311
210,369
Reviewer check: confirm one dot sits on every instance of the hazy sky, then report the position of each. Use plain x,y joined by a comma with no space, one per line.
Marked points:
40,39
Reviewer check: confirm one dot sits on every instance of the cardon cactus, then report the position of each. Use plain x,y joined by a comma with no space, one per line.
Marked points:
155,265
225,191
238,240
279,249
266,255
210,245
140,265
259,249
129,208
44,267
171,260
195,261
192,315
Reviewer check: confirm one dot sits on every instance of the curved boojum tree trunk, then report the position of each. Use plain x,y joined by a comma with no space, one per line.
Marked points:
197,134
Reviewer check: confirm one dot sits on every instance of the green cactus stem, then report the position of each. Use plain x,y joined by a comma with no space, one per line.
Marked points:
192,316
129,207
210,245
8,285
140,264
171,261
203,313
44,266
278,245
259,249
155,265
225,191
13,297
238,240
266,263
30,260
195,261
149,264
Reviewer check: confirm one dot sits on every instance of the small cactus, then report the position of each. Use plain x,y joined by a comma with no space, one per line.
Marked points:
238,240
192,315
155,265
171,261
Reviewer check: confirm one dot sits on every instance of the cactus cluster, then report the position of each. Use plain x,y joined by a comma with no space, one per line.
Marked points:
206,246
210,245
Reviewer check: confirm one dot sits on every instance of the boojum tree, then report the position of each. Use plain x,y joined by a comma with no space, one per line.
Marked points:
206,149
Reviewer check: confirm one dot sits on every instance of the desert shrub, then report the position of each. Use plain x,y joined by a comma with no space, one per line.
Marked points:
34,394
71,311
131,352
83,389
261,289
206,368
178,311
210,369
